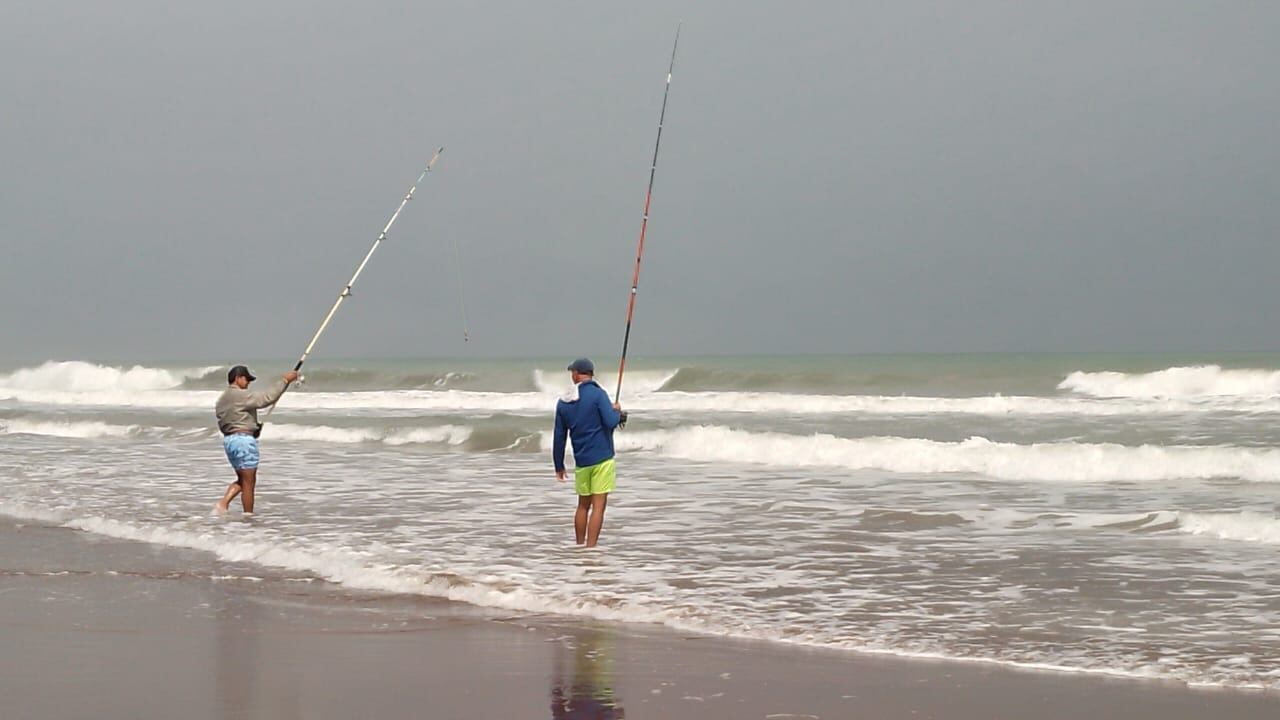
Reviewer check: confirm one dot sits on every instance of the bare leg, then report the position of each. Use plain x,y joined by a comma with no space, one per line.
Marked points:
232,491
580,519
248,481
598,503
245,482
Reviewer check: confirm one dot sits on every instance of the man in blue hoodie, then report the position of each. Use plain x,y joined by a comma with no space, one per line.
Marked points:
586,415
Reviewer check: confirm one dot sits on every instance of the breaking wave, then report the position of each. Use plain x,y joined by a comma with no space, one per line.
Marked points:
1055,461
78,376
1172,391
1245,526
638,382
1176,382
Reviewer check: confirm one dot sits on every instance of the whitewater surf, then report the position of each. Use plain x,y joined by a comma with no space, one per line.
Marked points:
1109,515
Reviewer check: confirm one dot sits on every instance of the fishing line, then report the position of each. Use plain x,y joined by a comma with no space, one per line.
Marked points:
346,289
462,304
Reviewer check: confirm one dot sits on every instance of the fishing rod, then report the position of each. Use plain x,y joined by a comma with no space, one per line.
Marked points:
644,223
346,289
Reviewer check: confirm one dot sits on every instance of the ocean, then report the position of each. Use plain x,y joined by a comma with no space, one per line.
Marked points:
1086,513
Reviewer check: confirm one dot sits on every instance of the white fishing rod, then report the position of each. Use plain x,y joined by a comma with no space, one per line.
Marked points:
346,289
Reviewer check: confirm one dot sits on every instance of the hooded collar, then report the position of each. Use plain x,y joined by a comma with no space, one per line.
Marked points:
571,395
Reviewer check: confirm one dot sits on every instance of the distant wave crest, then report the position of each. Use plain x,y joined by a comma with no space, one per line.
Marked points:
79,376
1176,382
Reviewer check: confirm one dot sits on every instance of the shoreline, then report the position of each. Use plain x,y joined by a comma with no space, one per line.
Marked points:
379,592
93,630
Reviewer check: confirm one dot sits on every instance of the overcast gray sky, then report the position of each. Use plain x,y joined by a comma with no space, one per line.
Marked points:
179,179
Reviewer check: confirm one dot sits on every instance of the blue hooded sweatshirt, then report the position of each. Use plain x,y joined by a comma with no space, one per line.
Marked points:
587,416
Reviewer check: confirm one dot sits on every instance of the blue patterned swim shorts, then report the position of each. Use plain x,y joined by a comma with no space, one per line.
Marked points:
242,451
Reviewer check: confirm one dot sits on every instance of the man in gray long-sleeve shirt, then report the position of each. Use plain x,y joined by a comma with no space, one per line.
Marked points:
237,411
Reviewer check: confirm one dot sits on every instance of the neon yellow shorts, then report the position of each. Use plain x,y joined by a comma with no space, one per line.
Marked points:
595,479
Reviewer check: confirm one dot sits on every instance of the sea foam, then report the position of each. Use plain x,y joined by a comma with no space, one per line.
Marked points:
1052,461
340,564
66,429
444,434
532,403
355,569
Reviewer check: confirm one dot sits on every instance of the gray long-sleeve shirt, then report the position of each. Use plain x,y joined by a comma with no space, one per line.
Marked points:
237,409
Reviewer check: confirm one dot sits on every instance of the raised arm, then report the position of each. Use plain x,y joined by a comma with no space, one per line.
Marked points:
268,397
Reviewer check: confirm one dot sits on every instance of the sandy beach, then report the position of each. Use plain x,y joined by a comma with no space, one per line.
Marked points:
179,634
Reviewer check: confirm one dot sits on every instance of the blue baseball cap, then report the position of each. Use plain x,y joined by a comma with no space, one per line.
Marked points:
582,365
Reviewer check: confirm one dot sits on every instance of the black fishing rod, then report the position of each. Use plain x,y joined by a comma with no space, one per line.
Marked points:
644,222
346,289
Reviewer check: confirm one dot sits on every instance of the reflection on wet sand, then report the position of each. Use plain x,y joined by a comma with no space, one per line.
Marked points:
247,684
585,693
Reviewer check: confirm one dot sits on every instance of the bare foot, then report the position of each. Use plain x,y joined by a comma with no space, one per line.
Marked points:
219,509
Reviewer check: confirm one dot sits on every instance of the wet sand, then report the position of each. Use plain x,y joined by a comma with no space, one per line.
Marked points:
99,628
